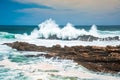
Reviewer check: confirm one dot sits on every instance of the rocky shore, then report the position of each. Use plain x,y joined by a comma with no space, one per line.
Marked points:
95,58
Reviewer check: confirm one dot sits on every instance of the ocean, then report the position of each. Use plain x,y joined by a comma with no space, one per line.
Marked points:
15,66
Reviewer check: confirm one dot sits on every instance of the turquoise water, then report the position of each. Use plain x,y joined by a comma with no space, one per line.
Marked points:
14,65
14,31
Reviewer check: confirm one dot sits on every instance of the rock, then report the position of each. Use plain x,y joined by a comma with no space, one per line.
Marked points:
57,46
87,38
102,59
82,38
53,54
86,55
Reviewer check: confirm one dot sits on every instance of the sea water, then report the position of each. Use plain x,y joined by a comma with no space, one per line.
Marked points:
15,65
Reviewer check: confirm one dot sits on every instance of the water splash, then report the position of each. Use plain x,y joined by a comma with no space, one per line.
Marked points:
93,31
51,69
49,28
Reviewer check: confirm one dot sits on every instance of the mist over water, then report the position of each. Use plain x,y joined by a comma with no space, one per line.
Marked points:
15,65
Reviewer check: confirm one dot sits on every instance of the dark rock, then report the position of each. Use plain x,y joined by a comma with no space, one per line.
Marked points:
83,38
57,46
87,38
102,59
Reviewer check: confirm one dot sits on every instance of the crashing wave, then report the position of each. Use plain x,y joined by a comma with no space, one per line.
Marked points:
50,30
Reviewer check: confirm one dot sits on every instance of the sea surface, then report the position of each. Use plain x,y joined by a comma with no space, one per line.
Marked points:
15,66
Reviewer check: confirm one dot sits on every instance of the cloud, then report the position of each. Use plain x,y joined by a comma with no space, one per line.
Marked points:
37,15
50,11
84,5
75,11
33,10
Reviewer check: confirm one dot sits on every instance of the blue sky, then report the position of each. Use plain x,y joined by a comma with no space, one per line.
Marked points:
78,12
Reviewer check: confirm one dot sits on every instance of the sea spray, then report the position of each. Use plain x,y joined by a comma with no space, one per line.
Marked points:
50,28
93,31
47,28
15,65
47,69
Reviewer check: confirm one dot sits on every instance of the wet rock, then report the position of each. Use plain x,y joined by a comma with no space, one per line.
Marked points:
102,59
83,38
87,38
23,46
57,46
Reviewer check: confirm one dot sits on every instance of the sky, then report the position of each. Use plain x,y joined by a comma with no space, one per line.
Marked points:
77,12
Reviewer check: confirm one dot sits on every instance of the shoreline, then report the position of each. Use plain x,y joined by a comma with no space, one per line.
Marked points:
95,58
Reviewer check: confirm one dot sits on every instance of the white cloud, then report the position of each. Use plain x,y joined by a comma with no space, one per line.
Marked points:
75,11
86,5
47,11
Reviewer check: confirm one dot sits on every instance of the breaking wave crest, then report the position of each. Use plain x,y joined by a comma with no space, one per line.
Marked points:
50,30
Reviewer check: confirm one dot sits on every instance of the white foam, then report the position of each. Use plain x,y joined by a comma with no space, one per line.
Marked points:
49,27
4,48
44,70
108,33
93,31
68,32
50,43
